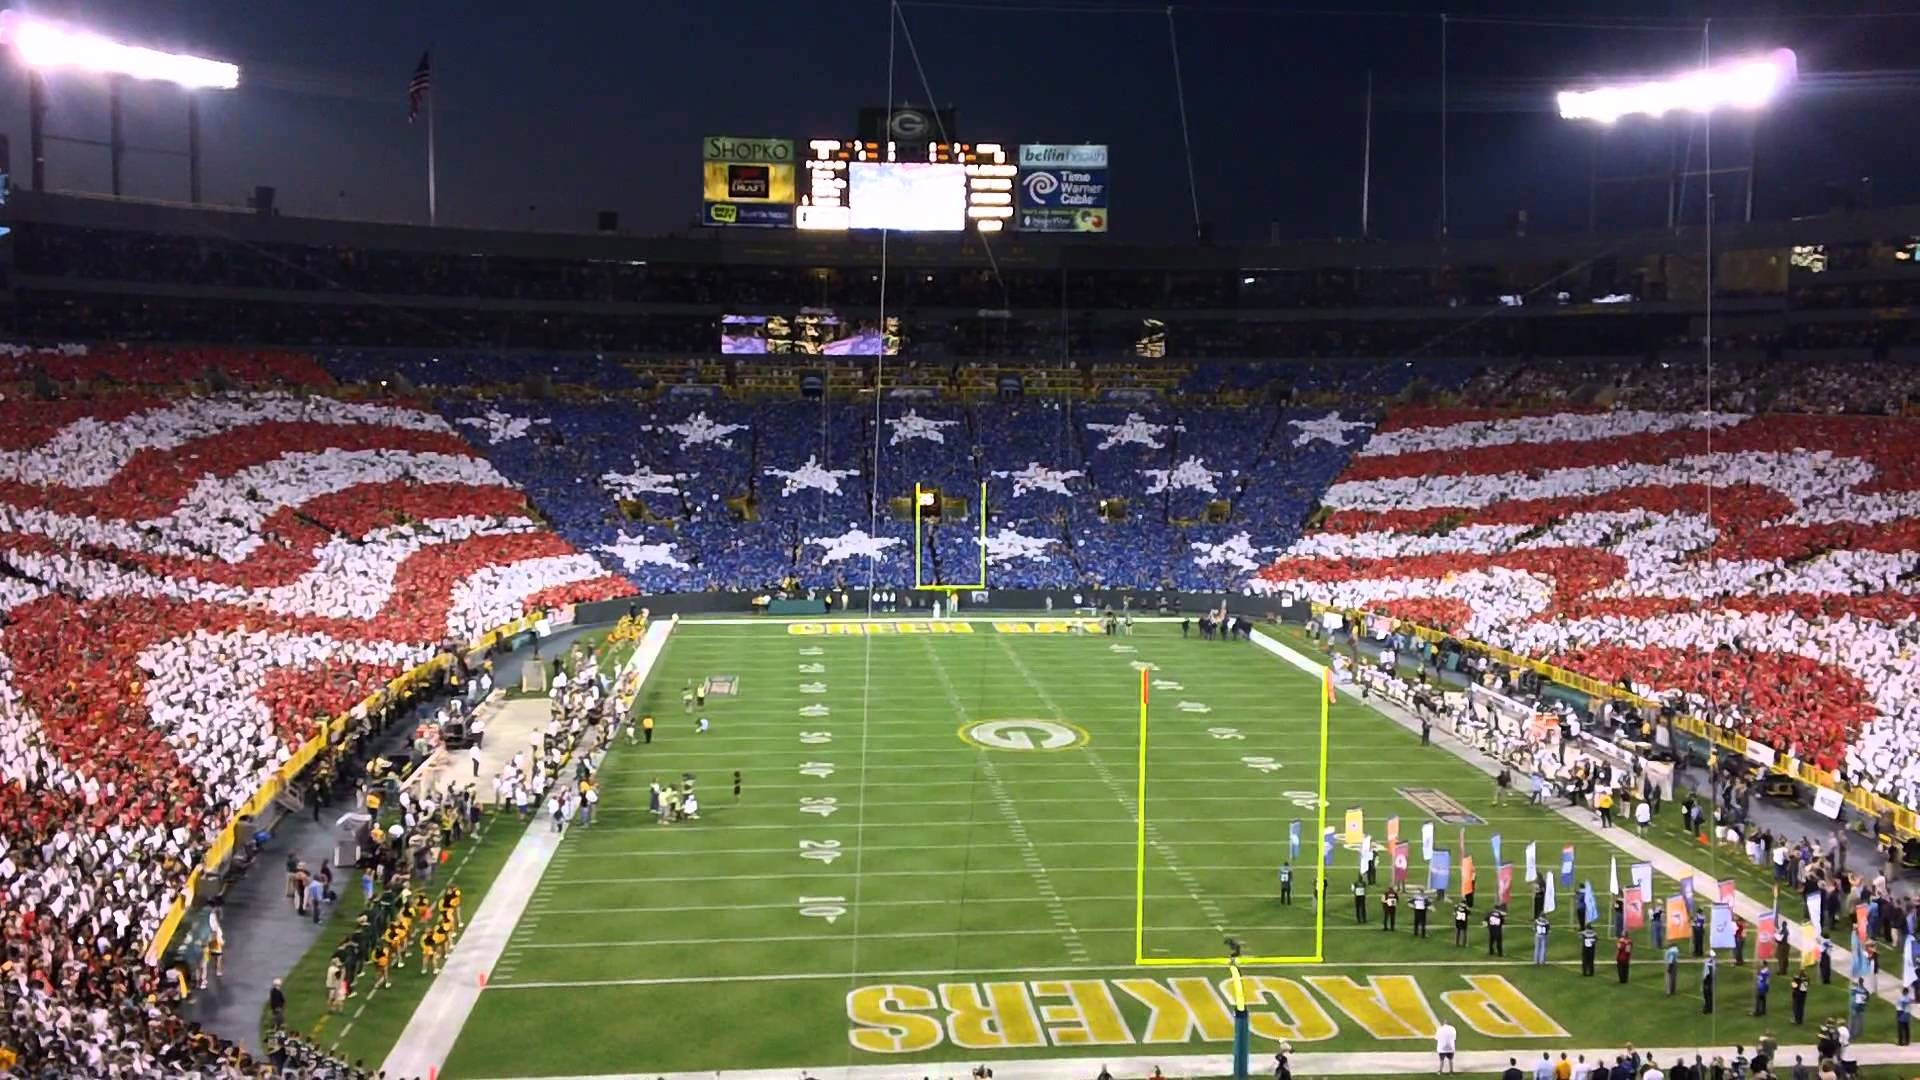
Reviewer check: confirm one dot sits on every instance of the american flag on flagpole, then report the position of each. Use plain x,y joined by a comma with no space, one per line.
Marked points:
419,86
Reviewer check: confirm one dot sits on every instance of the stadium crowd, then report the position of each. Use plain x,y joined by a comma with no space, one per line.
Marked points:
193,582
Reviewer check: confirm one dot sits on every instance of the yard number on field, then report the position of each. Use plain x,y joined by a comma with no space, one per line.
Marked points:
821,851
824,805
815,738
1225,733
819,770
823,907
1261,764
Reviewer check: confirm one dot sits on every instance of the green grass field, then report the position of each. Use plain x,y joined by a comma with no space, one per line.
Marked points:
903,880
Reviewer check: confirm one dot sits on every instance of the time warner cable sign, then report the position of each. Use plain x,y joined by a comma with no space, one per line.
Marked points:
747,181
1062,188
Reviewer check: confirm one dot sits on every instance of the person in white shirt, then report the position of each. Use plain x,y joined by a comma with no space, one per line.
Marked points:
1445,1040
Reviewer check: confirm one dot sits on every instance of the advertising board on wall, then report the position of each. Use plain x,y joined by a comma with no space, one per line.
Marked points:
747,181
1062,188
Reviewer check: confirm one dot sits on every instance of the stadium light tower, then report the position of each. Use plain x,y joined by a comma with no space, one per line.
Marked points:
44,46
1748,84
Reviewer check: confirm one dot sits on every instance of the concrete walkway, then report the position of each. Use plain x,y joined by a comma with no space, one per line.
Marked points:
436,1024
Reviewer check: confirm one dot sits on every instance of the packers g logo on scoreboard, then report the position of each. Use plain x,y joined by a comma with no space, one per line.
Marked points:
1024,735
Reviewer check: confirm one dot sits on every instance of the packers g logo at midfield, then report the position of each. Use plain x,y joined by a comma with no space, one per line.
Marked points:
1023,734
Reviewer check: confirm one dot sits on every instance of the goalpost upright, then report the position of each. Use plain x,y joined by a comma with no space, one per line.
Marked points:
919,576
1140,957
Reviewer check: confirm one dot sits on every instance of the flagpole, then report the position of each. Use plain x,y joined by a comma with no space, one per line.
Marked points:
433,210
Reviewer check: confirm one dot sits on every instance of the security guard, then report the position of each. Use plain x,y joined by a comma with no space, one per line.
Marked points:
1359,900
1589,941
1389,908
1286,883
1496,932
1460,911
1420,913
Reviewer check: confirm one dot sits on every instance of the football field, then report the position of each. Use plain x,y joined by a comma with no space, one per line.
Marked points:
936,855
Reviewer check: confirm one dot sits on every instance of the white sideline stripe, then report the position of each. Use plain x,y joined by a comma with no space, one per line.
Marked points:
1294,658
430,1033
1378,1063
831,938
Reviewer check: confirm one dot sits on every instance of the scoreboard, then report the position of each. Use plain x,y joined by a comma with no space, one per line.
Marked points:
906,173
927,187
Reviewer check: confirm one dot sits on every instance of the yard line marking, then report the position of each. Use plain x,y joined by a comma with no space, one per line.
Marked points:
829,938
933,901
1205,903
830,824
1516,962
1018,845
1076,949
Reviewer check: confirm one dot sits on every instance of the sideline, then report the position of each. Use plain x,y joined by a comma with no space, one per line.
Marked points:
1384,1063
429,1036
1664,862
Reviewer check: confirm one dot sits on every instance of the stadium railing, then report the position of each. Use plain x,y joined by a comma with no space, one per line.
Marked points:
1906,823
229,837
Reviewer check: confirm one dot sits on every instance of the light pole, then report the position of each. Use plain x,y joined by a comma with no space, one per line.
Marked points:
1745,85
43,46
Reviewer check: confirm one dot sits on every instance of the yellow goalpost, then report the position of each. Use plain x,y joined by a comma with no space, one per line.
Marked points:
919,575
1140,957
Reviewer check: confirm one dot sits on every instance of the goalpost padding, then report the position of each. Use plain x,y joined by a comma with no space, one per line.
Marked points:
1322,677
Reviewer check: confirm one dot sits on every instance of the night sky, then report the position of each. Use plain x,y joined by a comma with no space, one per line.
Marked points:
549,112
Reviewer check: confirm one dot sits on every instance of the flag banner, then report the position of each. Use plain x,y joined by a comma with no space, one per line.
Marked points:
1566,867
420,85
1686,893
1549,904
1862,966
1642,874
1399,866
1503,883
1679,926
1613,876
1860,920
1813,910
1907,973
1466,876
1393,832
1356,825
1326,682
1439,869
1727,891
1720,929
1636,910
1326,847
1366,853
1593,903
1293,842
1533,866
1495,841
1809,944
1426,842
1463,841
1765,929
